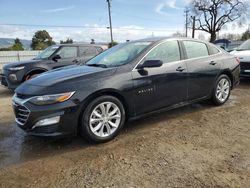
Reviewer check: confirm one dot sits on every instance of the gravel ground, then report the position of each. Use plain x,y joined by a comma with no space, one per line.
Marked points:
195,146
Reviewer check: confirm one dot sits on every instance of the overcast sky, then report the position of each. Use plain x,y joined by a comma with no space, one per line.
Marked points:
132,19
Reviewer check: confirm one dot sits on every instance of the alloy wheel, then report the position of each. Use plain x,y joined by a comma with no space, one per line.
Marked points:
223,90
105,119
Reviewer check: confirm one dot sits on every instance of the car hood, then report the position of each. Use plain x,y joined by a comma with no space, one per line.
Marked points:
67,76
243,55
21,63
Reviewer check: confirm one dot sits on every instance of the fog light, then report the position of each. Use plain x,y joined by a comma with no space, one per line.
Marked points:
47,121
13,77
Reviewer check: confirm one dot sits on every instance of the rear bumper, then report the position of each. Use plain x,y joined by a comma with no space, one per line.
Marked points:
236,76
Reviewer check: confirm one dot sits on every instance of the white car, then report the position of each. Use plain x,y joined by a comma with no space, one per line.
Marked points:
243,53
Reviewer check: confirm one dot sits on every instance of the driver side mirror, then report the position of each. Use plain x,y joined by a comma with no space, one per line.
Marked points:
150,64
56,57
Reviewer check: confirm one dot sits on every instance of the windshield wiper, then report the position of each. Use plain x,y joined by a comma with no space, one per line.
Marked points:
97,65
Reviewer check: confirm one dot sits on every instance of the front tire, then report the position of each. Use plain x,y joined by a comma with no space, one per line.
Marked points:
103,119
222,90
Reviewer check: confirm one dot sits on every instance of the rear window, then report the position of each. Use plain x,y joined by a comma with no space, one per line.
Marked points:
195,49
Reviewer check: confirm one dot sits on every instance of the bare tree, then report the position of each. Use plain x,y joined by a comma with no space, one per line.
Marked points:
212,15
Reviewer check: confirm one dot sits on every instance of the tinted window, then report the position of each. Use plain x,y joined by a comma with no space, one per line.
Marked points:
213,50
166,52
47,52
87,51
195,49
67,52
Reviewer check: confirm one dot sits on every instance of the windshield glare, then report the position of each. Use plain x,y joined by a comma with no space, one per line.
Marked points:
119,55
244,46
47,52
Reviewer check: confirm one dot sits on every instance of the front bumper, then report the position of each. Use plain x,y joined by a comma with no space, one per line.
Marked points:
7,81
244,69
28,114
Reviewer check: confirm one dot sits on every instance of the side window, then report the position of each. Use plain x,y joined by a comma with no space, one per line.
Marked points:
87,51
67,52
213,50
195,49
166,52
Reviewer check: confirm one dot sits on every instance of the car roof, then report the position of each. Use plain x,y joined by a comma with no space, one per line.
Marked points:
80,44
159,39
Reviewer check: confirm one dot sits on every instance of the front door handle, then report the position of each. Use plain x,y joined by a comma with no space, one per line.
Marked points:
180,69
212,63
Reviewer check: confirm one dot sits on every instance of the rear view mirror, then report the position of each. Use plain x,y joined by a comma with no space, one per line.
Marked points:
150,64
56,57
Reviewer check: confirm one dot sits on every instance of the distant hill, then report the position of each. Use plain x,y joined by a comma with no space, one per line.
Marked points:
7,42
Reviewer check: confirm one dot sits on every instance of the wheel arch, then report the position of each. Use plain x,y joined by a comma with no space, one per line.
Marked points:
229,74
34,71
110,92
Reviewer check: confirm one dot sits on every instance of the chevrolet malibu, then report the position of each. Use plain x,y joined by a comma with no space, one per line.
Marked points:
126,82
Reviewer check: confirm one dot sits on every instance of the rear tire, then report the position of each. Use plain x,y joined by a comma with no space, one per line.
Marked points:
103,119
222,90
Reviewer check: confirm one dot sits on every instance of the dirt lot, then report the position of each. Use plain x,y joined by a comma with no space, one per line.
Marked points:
195,146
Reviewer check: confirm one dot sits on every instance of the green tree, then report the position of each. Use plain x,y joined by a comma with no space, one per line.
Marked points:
17,46
246,35
41,40
68,41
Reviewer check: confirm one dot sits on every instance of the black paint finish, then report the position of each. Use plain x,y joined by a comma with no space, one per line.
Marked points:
142,91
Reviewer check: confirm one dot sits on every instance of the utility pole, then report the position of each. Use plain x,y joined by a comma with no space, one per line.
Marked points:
186,25
110,23
193,27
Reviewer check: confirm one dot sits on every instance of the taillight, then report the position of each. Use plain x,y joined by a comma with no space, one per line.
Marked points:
238,60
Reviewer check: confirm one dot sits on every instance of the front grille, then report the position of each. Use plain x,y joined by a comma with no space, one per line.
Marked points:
21,113
244,66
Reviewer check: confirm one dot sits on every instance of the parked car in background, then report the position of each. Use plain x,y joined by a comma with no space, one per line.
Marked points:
243,53
125,82
227,44
56,56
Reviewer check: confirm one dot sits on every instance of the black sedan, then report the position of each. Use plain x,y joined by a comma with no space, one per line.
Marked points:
126,82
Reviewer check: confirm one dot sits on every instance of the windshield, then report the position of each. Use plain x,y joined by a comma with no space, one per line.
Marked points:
244,46
118,55
47,52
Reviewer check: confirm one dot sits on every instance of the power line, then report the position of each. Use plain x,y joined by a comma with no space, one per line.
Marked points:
90,27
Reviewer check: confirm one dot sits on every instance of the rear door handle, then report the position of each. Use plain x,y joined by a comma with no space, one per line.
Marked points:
180,69
212,63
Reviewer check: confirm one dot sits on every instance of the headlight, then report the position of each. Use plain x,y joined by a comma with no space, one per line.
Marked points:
51,99
16,68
